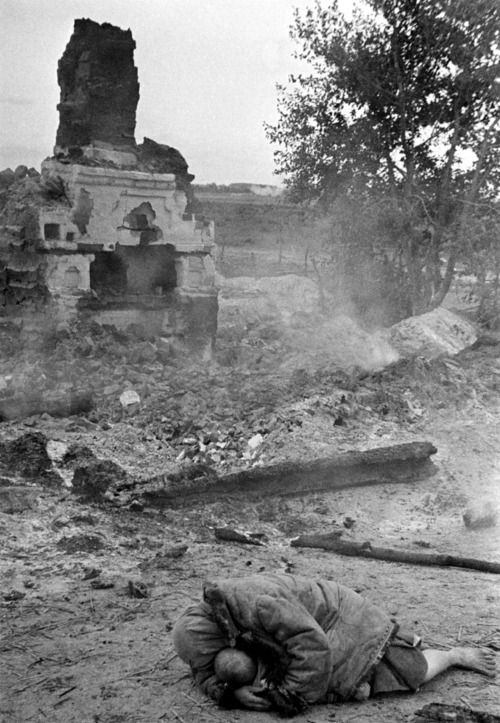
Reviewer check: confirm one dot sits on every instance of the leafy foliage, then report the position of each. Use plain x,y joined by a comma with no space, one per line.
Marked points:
398,117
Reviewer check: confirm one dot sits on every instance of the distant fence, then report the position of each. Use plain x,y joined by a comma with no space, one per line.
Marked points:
254,261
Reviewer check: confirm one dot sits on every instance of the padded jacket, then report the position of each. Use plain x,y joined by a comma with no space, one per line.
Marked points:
332,636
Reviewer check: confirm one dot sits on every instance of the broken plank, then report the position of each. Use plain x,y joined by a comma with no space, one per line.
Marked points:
365,549
395,464
230,535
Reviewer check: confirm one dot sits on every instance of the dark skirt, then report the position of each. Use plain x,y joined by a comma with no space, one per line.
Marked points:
403,667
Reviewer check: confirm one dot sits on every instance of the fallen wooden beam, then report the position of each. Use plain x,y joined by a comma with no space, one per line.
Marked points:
396,464
365,549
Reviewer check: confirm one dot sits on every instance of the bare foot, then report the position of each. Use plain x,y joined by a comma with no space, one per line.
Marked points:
480,659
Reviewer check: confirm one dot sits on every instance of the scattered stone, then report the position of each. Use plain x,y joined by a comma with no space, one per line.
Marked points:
85,347
456,713
59,523
255,442
14,500
83,520
164,349
102,583
27,457
90,573
78,454
175,551
431,334
136,506
163,560
4,382
148,353
91,481
130,401
480,516
56,450
21,172
80,543
7,178
111,389
14,595
137,589
348,522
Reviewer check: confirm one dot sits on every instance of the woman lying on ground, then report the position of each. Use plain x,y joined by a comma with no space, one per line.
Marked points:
274,641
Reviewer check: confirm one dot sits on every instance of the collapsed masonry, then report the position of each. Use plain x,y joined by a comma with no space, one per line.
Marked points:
108,228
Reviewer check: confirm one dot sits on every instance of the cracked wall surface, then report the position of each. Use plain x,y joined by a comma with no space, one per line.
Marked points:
109,228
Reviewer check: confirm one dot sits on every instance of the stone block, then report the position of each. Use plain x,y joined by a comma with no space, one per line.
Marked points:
482,515
15,499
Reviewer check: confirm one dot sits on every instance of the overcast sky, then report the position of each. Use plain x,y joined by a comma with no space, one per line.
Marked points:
207,73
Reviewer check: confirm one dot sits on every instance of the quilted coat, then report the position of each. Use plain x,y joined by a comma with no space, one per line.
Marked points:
332,636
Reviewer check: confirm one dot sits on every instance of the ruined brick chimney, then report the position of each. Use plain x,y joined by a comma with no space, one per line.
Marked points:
99,88
109,228
98,103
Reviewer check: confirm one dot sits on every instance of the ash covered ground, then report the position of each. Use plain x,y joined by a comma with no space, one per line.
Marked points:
92,583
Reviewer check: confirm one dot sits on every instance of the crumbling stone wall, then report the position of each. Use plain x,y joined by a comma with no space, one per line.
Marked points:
109,226
22,279
99,88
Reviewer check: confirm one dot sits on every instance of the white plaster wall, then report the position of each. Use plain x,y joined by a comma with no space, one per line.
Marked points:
155,321
61,273
195,271
115,193
60,216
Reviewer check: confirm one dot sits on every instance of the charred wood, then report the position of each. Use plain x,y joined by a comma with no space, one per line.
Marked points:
230,535
365,549
384,465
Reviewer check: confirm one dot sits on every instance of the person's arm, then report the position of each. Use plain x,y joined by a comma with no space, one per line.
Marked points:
252,697
310,657
215,689
247,696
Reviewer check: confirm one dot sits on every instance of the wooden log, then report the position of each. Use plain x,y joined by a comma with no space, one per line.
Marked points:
396,464
228,534
365,549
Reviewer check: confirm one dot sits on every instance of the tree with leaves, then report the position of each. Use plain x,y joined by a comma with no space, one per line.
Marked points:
395,131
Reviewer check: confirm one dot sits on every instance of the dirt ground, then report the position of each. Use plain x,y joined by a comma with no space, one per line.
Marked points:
77,646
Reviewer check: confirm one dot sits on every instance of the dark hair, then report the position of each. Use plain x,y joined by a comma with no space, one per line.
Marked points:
234,667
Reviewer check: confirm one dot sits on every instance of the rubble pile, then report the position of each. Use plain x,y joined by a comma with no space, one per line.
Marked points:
156,407
437,332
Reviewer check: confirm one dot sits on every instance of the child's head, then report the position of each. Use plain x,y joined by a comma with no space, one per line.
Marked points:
234,667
